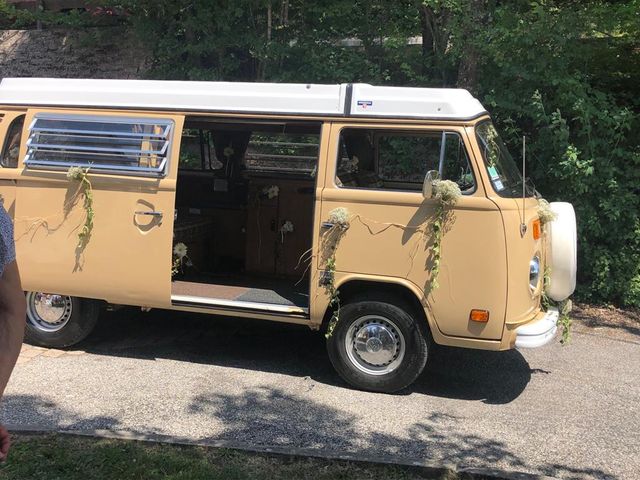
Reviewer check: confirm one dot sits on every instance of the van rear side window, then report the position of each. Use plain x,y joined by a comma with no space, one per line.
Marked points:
282,152
11,146
132,146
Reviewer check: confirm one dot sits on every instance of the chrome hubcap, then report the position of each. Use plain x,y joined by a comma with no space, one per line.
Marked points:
375,345
48,312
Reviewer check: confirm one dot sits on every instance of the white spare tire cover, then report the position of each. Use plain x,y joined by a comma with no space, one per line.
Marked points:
563,255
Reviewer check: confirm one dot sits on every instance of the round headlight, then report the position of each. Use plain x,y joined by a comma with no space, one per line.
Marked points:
534,273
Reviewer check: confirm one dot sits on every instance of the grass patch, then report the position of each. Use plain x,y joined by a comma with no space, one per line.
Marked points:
65,457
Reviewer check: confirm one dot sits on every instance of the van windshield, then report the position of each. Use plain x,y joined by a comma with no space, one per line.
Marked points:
503,172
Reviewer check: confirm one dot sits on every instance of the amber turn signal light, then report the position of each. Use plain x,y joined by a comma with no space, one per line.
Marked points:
537,229
481,316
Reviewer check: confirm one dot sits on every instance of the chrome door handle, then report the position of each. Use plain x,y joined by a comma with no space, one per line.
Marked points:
151,213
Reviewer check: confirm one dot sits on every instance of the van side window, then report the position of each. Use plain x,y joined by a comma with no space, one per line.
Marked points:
11,147
399,160
117,145
282,152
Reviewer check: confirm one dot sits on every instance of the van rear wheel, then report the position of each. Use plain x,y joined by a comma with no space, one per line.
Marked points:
377,346
59,321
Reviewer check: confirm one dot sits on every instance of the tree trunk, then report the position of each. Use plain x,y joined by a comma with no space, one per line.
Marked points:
468,68
426,21
435,29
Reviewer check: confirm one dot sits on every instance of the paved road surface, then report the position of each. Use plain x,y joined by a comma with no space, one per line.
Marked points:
570,411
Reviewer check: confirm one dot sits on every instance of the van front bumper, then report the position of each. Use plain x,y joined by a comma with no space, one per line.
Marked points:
539,332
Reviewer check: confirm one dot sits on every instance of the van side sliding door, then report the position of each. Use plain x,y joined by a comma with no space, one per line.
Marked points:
131,161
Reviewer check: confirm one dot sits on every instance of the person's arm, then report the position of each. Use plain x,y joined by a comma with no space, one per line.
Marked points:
12,321
12,324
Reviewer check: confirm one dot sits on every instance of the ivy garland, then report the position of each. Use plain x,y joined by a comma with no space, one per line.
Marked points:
564,320
339,218
447,194
81,175
564,308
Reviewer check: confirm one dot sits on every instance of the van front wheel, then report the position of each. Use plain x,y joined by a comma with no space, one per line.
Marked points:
377,346
58,321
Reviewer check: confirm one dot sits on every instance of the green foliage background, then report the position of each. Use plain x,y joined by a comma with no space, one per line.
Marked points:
565,73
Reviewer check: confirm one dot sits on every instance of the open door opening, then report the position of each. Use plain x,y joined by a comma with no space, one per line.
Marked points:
244,211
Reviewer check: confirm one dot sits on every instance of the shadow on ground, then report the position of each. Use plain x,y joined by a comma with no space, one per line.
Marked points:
41,412
492,377
270,417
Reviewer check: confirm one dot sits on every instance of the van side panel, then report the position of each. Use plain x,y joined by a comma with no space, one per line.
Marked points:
389,237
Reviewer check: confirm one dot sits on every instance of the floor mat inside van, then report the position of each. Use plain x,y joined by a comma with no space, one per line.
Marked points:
278,292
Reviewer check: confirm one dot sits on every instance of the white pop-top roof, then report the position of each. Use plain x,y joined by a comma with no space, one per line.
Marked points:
353,100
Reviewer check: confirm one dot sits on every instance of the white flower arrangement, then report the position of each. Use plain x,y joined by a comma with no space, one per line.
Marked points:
339,217
272,191
545,214
446,191
287,227
75,173
180,258
180,250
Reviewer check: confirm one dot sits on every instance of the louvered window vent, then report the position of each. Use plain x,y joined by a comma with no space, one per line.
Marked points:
117,145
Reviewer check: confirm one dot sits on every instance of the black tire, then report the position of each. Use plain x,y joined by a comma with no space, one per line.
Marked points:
79,319
395,318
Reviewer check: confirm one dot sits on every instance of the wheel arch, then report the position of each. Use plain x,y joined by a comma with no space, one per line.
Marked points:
394,289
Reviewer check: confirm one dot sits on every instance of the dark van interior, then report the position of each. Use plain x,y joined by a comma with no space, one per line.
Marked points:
244,211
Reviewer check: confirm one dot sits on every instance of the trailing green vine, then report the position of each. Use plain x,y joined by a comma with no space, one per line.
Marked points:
545,301
564,320
339,218
447,194
81,175
334,295
564,308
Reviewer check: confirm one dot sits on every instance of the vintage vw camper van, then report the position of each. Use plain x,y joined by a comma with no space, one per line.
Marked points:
307,204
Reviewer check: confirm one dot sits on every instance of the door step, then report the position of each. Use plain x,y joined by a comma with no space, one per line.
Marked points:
238,305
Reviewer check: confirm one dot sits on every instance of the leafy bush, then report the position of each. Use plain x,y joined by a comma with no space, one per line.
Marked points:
15,18
583,143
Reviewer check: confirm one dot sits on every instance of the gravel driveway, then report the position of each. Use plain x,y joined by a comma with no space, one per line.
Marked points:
569,411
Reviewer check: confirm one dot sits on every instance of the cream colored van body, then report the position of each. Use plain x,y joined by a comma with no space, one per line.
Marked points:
486,253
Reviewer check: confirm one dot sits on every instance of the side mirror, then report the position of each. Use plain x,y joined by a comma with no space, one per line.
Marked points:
427,186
